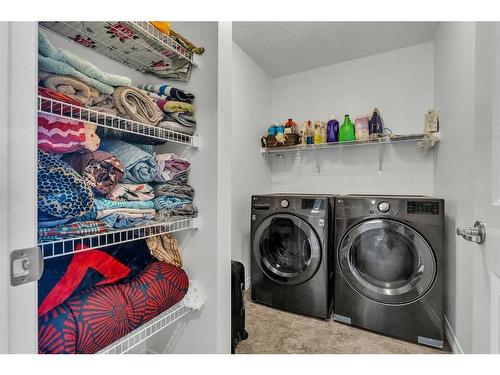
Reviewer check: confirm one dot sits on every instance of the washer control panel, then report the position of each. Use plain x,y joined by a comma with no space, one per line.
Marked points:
383,207
284,203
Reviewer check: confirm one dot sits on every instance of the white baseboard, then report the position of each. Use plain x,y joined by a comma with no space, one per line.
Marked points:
452,339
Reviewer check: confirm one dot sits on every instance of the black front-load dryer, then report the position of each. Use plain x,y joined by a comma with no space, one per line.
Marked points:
290,265
389,265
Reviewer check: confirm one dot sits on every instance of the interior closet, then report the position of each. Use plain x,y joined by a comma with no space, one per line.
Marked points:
176,330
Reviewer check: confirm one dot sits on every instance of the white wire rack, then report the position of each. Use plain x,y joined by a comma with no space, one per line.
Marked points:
145,331
153,45
54,249
378,141
69,111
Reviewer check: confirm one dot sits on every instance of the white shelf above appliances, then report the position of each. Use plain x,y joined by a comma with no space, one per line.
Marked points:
281,152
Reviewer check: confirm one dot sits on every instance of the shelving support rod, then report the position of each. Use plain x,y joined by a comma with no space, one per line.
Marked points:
318,169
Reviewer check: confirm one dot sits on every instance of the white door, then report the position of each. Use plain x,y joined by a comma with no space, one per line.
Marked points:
486,196
18,201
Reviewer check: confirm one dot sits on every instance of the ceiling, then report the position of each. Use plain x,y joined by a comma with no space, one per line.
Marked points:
283,48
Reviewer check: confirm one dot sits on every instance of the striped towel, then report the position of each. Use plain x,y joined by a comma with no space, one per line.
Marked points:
60,135
168,91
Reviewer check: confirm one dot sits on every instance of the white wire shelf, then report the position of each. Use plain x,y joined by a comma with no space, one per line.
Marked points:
384,140
282,152
73,112
54,249
140,52
148,329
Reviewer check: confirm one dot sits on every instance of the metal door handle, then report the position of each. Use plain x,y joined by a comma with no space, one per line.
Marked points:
475,234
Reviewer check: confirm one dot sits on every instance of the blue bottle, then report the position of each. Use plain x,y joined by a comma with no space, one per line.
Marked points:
376,125
332,130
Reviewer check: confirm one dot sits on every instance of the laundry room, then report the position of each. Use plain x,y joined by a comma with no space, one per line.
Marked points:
241,186
380,280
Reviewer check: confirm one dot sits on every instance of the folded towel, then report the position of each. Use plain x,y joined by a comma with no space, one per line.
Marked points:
172,106
69,86
62,192
168,202
165,249
131,192
182,118
103,204
168,92
175,190
79,228
183,210
99,169
61,135
45,48
140,166
120,214
169,166
176,127
134,104
103,103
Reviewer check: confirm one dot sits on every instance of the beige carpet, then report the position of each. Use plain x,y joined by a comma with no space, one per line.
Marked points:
274,331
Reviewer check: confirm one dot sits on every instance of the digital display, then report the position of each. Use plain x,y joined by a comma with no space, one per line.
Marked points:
426,208
312,204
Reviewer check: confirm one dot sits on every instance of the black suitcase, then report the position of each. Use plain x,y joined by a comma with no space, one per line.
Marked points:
238,332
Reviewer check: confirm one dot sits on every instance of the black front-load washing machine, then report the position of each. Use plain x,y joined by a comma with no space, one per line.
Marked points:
389,265
290,265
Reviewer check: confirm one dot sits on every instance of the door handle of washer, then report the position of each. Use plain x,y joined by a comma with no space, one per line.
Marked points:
475,234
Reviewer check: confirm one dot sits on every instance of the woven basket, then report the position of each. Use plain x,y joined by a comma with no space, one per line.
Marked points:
291,139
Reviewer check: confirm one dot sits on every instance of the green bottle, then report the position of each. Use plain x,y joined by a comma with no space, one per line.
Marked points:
347,132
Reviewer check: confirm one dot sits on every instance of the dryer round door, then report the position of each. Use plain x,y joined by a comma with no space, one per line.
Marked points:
387,261
287,249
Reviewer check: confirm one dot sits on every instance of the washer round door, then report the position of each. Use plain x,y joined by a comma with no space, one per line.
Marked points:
287,249
387,261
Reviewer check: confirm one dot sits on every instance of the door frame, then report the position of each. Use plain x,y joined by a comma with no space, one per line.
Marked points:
18,130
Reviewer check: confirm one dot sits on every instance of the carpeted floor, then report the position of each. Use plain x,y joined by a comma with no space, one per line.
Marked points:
274,331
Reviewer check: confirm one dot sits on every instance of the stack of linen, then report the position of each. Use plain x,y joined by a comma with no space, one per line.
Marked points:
173,195
176,105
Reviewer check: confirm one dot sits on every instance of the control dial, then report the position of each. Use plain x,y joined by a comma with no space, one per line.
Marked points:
383,207
284,203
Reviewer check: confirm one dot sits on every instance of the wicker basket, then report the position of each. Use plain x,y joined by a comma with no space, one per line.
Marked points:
291,139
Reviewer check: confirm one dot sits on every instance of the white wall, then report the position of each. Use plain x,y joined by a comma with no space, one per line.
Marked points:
198,332
455,97
399,83
251,103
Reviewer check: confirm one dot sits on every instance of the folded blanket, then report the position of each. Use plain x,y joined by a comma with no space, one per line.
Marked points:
165,248
184,210
169,166
176,127
175,190
46,49
134,104
180,178
140,166
168,92
62,192
182,118
95,318
172,106
99,169
166,202
66,276
56,95
102,204
124,220
131,192
103,103
71,87
79,228
61,135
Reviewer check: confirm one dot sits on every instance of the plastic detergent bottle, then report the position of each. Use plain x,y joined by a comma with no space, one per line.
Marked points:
309,135
346,132
332,130
361,127
318,137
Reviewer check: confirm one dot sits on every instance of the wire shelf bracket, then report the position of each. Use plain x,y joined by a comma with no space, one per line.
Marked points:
54,249
147,330
73,112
